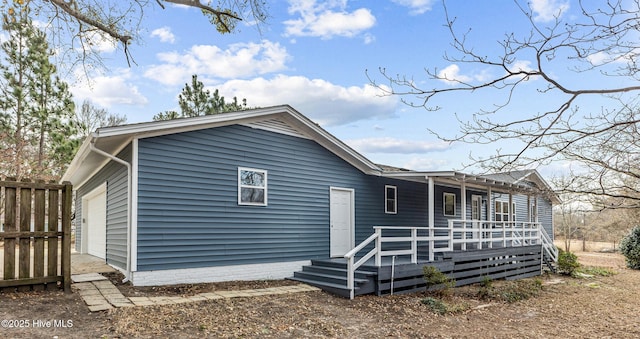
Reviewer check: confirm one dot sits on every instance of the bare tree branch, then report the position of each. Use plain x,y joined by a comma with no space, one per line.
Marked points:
602,143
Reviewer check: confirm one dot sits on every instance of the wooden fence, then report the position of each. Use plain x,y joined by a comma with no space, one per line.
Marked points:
35,237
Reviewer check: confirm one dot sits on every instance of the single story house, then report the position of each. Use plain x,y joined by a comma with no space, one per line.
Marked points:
258,194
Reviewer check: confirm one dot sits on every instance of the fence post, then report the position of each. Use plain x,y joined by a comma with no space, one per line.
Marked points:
378,244
66,236
52,241
414,245
24,244
9,226
38,226
432,243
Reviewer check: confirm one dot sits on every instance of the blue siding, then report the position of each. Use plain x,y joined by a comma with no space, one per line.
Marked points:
522,209
115,175
188,215
545,215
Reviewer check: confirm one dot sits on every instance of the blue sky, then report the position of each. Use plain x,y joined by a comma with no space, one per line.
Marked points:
314,56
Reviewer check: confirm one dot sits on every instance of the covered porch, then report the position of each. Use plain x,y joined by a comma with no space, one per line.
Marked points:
474,230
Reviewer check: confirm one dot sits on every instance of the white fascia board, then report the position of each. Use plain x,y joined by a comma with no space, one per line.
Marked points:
77,160
185,124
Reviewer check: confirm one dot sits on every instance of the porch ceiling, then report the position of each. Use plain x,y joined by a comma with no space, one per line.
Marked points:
458,178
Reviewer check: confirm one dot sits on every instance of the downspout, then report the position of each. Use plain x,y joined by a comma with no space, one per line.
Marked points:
93,148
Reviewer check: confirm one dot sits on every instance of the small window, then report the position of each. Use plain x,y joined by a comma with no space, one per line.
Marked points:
391,199
502,211
252,187
449,204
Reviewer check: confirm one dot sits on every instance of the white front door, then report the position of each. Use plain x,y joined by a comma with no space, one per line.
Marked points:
95,223
342,220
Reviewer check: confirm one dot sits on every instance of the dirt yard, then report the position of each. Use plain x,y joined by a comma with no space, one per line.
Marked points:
566,307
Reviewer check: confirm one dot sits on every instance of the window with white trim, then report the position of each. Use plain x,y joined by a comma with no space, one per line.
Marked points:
502,211
533,212
390,199
252,187
449,204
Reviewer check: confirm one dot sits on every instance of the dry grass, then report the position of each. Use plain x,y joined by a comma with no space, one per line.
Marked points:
590,246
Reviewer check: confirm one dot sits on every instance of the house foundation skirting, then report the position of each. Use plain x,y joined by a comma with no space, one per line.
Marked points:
264,271
466,267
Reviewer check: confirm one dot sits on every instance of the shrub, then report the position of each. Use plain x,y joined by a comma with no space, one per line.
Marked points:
436,279
630,248
435,305
486,288
510,291
567,262
440,307
521,290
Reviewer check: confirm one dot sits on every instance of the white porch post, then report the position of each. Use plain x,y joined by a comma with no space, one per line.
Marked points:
463,207
529,216
511,218
490,216
432,203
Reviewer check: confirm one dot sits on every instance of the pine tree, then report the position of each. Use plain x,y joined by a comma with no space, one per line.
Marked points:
52,112
36,109
14,103
195,100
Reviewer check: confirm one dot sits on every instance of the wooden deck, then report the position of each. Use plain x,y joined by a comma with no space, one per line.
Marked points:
402,276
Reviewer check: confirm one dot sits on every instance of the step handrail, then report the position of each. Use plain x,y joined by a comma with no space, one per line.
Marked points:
353,265
548,245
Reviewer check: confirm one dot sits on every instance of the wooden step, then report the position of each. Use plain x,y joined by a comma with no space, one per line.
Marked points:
337,289
330,278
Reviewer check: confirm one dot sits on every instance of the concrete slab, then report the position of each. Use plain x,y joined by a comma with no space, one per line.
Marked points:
102,307
86,277
85,263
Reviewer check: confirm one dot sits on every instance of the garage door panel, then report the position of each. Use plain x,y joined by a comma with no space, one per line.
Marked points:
97,225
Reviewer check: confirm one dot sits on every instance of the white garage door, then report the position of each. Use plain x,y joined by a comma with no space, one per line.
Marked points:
96,222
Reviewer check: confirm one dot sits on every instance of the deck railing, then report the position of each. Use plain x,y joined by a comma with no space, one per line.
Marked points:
413,241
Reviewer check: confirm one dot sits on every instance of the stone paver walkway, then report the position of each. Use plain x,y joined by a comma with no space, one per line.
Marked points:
101,295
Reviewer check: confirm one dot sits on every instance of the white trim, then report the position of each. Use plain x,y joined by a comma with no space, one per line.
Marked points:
265,271
352,233
463,200
134,206
100,189
395,199
511,213
432,202
103,163
444,204
241,186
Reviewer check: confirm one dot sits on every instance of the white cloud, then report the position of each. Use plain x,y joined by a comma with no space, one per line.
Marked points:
521,65
416,6
451,75
327,19
548,10
109,90
427,164
326,103
393,145
164,33
100,42
240,60
601,58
